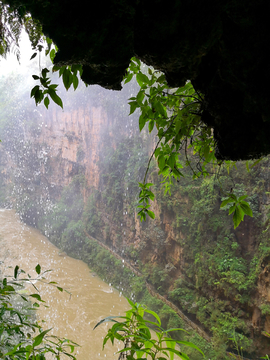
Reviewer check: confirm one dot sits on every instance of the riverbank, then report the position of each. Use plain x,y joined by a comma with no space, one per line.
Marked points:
71,317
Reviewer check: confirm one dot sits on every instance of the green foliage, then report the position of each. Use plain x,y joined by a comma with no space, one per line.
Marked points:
265,309
176,115
138,342
145,196
238,207
91,215
73,236
21,336
13,20
69,75
45,89
63,222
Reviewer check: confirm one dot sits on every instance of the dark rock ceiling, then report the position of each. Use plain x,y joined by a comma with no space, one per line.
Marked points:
221,46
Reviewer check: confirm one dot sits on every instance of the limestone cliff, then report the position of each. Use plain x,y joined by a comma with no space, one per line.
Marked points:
91,151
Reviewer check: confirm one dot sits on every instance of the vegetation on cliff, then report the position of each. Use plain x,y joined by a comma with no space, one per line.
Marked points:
190,253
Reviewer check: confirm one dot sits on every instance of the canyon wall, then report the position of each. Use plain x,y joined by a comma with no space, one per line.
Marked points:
77,170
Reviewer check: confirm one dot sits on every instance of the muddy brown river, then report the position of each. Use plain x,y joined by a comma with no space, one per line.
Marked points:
71,317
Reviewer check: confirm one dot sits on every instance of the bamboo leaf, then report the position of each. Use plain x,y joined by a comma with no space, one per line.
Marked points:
16,271
33,56
39,338
38,269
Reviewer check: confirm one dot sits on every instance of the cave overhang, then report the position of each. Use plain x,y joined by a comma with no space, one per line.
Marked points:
221,46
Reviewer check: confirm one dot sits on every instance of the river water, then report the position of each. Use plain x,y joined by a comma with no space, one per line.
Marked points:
71,317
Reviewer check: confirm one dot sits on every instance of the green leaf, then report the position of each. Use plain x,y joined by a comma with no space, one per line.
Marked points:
161,162
107,319
34,90
157,151
142,79
155,315
38,269
242,197
171,345
227,201
55,97
151,214
255,163
128,78
44,72
75,81
246,209
61,70
35,77
76,67
131,303
37,296
142,121
233,197
59,288
176,329
232,209
161,79
237,216
151,125
178,125
133,106
67,78
52,55
160,109
46,101
16,271
171,161
150,195
39,338
33,56
140,96
38,96
190,344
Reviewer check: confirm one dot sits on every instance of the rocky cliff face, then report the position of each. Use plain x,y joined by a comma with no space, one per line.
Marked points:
218,276
73,138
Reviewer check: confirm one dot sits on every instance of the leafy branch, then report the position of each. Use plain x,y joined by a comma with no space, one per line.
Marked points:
138,343
176,115
238,207
45,91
